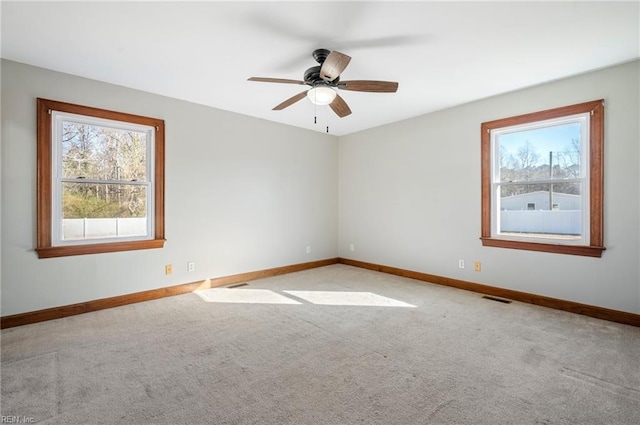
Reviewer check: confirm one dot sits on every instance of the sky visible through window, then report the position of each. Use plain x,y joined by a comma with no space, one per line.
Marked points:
557,139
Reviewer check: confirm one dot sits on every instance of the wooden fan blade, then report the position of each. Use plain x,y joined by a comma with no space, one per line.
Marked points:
369,86
290,101
275,80
333,65
340,107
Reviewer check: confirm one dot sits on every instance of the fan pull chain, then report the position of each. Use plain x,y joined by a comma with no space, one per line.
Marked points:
327,110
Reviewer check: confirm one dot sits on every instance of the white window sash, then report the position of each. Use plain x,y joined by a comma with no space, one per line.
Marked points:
58,118
584,121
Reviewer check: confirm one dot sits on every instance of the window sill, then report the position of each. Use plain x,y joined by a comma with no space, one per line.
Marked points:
584,250
69,250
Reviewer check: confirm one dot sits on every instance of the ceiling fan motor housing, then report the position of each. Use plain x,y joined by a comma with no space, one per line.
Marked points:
312,77
320,55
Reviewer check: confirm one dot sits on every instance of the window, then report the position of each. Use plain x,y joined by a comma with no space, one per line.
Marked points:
100,181
533,164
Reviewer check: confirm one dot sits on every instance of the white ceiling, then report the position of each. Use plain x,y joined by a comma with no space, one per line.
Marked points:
442,53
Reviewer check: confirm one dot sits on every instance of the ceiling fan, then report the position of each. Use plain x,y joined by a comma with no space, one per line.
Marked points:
325,78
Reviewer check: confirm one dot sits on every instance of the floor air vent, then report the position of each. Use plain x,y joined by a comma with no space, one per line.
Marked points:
500,300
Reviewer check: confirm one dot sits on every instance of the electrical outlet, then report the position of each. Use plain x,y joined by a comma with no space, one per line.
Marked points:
308,249
477,266
168,269
191,266
352,247
461,264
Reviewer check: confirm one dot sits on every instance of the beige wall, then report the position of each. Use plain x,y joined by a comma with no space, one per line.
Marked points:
410,195
245,194
242,194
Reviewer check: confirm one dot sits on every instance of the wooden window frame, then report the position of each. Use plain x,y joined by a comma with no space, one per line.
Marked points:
44,203
596,180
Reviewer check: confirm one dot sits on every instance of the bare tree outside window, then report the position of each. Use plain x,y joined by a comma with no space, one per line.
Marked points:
113,159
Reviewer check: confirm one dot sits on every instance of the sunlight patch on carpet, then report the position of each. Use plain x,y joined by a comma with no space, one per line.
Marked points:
368,299
243,295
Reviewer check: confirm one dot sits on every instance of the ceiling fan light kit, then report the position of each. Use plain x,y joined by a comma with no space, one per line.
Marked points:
325,79
321,95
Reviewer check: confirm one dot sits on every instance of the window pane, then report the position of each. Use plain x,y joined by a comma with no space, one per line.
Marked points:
557,152
535,210
541,154
103,153
92,211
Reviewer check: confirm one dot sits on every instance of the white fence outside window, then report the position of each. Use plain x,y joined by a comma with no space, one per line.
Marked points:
563,222
96,228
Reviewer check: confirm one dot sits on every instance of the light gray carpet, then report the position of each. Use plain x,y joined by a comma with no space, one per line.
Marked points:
290,358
